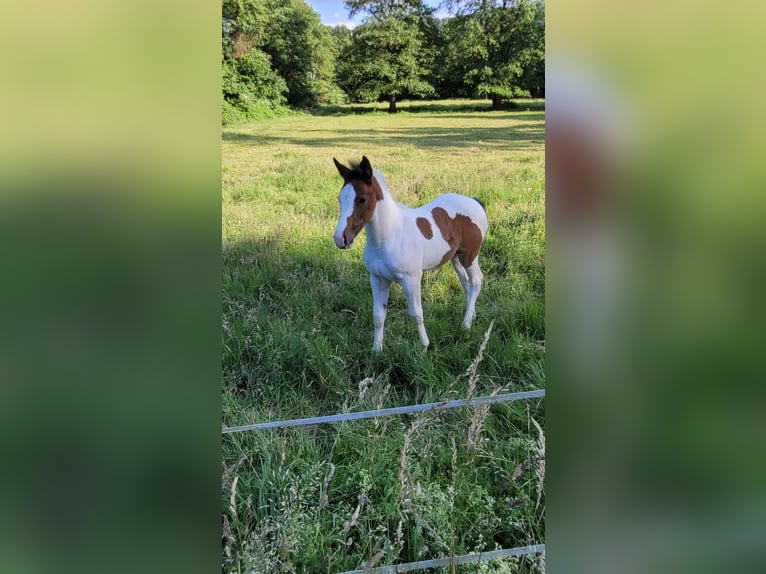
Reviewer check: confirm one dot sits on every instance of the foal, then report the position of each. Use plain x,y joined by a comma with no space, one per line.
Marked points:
402,242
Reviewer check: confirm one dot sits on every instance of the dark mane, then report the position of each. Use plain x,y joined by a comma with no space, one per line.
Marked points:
356,172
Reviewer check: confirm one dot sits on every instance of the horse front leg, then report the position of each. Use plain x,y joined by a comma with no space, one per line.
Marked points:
380,288
411,287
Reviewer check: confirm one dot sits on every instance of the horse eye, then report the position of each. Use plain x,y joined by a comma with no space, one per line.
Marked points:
362,200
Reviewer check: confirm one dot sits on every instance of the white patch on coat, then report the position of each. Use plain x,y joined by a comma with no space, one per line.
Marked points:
346,200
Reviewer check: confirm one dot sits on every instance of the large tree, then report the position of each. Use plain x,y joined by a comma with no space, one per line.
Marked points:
302,52
387,56
497,48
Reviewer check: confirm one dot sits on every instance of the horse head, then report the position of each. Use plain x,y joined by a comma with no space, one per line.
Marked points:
358,196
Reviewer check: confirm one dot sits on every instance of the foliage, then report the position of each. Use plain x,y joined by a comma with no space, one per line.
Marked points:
383,9
274,52
340,38
244,22
301,50
250,87
434,47
385,58
391,54
497,50
297,329
533,61
277,53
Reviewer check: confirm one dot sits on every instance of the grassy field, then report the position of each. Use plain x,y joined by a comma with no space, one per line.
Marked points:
297,336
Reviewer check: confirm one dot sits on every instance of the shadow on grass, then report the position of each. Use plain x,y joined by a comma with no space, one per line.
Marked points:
424,137
433,106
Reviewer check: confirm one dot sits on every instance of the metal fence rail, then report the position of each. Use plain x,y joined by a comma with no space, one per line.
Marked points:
330,419
456,560
421,564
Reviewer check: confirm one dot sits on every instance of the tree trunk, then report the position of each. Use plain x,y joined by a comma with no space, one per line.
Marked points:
392,104
495,101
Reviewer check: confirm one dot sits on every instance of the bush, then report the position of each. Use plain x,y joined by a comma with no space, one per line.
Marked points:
251,89
251,110
230,114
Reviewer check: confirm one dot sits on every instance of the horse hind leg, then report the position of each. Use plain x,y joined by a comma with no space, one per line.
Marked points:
471,279
462,276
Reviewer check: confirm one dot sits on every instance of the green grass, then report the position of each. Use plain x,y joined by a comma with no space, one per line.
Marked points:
297,337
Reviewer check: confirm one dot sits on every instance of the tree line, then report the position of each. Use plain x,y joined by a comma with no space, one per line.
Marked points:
277,55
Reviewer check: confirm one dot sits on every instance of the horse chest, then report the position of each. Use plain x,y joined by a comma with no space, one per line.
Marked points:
383,263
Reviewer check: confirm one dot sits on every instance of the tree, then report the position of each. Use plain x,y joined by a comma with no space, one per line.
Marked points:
386,56
249,83
533,77
465,56
383,9
434,50
341,38
244,25
302,52
497,48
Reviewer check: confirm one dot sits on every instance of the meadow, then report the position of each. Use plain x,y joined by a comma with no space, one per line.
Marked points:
297,337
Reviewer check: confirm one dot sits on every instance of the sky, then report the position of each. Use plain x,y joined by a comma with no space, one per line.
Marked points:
334,12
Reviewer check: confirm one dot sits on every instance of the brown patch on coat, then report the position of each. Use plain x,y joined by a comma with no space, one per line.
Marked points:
425,227
376,188
461,234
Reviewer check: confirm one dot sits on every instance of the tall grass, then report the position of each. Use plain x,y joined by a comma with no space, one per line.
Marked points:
297,333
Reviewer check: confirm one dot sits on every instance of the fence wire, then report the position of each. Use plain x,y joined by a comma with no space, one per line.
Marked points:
421,564
331,419
456,560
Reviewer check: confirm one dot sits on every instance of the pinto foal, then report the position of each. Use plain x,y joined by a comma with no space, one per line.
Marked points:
402,242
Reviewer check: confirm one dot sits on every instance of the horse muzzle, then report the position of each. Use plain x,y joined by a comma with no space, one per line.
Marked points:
343,242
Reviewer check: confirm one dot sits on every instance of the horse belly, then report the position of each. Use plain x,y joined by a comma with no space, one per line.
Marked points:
437,252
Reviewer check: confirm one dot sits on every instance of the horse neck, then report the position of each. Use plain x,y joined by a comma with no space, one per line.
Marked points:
386,220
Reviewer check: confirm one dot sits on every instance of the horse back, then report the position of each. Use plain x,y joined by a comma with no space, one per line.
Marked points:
455,204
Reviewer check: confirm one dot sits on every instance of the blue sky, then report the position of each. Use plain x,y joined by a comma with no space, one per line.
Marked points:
334,12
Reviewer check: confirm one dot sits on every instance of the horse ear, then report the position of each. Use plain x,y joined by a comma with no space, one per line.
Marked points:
365,167
342,169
